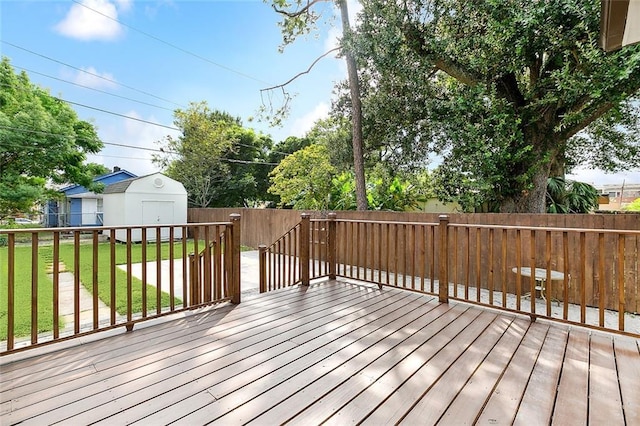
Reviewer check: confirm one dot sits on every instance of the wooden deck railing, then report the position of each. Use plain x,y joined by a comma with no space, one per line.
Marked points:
98,295
483,264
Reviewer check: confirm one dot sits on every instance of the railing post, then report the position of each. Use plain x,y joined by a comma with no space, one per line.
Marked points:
235,268
305,233
332,245
443,279
262,258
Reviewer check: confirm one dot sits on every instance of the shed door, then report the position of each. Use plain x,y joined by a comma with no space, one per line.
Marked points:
158,213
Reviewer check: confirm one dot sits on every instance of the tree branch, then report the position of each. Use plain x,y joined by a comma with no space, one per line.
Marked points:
416,42
590,118
298,12
278,86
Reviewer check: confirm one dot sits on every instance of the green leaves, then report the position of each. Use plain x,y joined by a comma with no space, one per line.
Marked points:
215,158
566,196
41,139
501,89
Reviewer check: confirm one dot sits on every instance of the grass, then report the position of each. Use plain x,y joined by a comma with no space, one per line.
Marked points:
22,300
104,273
22,294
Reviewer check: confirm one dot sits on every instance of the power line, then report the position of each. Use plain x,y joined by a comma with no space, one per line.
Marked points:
139,119
92,88
116,114
195,55
90,73
158,150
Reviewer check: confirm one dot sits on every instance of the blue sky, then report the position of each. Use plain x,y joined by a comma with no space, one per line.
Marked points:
231,53
238,40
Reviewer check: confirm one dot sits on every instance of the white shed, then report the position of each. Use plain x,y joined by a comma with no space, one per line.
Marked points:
154,199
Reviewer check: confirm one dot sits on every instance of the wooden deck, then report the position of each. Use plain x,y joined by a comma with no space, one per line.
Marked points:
334,352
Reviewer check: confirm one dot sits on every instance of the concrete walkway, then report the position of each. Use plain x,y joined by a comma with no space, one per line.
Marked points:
249,273
249,264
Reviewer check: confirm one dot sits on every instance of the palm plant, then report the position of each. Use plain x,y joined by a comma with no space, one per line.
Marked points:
567,196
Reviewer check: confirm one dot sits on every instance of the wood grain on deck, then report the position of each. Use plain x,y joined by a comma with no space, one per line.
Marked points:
336,353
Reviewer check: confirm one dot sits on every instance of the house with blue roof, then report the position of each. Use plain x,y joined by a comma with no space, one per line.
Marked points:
81,207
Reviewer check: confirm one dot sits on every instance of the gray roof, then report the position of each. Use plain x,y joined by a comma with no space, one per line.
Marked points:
119,187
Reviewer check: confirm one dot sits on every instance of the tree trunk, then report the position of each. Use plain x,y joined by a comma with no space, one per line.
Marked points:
357,141
533,200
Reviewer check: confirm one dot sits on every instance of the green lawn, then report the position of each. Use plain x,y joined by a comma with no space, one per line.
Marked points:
22,298
22,294
104,272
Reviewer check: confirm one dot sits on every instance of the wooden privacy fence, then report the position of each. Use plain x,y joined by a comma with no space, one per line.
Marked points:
90,284
585,276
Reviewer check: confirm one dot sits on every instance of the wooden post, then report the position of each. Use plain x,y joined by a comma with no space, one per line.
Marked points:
443,281
332,248
235,280
305,230
262,257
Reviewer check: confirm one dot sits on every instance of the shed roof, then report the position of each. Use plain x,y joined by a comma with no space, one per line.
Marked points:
119,187
122,186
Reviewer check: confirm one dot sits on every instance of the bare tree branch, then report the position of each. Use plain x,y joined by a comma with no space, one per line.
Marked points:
298,12
301,73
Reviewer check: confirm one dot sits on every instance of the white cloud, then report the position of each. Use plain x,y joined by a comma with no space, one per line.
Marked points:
599,177
124,5
85,24
302,125
94,79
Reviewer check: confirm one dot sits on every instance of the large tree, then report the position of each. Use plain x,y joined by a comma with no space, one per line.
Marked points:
509,92
300,17
41,140
219,162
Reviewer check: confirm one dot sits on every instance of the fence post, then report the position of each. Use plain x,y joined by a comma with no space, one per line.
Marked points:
332,246
262,257
443,276
235,258
305,234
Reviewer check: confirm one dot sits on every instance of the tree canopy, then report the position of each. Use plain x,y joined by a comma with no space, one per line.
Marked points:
508,92
219,162
41,140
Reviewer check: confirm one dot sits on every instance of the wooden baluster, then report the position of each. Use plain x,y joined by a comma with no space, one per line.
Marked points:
566,280
159,270
129,275
583,273
332,246
504,268
76,282
34,288
478,264
620,276
518,269
112,278
94,280
11,277
548,281
56,284
602,299
262,259
236,233
443,278
143,243
172,304
304,247
490,283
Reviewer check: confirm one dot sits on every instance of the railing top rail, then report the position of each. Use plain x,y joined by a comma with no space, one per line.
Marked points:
385,222
544,228
108,228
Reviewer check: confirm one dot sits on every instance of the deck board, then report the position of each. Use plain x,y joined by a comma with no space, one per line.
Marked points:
336,352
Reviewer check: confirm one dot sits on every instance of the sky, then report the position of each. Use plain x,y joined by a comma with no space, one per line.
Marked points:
127,72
